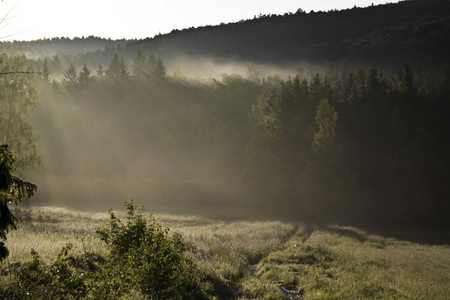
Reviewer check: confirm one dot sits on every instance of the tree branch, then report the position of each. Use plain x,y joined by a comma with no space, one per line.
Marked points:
19,72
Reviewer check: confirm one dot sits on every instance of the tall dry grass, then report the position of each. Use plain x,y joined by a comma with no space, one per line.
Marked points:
252,259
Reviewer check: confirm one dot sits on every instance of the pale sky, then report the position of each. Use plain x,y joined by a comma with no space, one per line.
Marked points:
37,19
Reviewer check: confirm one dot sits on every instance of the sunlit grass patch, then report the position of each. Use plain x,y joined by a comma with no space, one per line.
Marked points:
48,229
253,259
349,263
227,250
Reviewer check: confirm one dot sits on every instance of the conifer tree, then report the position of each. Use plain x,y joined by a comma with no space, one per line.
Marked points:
84,76
253,74
138,67
117,68
325,139
100,71
70,79
112,71
45,70
12,191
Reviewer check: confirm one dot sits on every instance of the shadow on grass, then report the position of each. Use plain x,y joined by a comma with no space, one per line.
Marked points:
427,237
350,232
222,289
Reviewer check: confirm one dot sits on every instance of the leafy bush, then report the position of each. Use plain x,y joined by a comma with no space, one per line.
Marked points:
145,262
35,280
145,257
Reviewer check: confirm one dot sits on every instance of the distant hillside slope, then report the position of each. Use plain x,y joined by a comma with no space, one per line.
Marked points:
59,45
414,31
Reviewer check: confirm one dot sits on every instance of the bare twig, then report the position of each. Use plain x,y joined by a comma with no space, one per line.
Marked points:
5,17
12,34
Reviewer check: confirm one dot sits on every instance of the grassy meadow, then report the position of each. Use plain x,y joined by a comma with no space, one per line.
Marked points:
258,259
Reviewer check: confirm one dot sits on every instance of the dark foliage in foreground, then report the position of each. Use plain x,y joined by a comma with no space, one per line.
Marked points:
145,261
146,258
12,191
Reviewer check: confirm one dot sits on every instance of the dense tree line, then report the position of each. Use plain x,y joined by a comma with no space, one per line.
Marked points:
354,145
58,45
408,30
341,145
150,124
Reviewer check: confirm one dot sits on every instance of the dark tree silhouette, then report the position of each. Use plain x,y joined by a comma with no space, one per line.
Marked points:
12,191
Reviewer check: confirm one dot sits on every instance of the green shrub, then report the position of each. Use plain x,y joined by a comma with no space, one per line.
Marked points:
145,261
35,280
145,257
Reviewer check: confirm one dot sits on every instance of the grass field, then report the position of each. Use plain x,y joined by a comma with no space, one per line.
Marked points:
257,259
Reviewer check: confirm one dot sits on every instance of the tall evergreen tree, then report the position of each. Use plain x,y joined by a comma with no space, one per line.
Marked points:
70,79
325,139
12,191
156,68
139,66
116,68
113,69
123,69
45,70
100,72
253,73
84,76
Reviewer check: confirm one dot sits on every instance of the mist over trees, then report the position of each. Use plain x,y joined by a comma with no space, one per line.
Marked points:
385,34
343,145
346,142
414,31
356,145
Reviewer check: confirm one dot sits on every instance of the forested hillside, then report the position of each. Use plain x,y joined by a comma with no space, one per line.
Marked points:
343,145
416,31
410,30
354,145
362,138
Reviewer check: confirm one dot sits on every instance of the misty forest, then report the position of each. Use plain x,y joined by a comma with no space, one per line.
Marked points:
293,156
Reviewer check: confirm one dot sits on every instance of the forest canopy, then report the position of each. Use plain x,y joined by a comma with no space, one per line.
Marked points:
347,141
342,144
